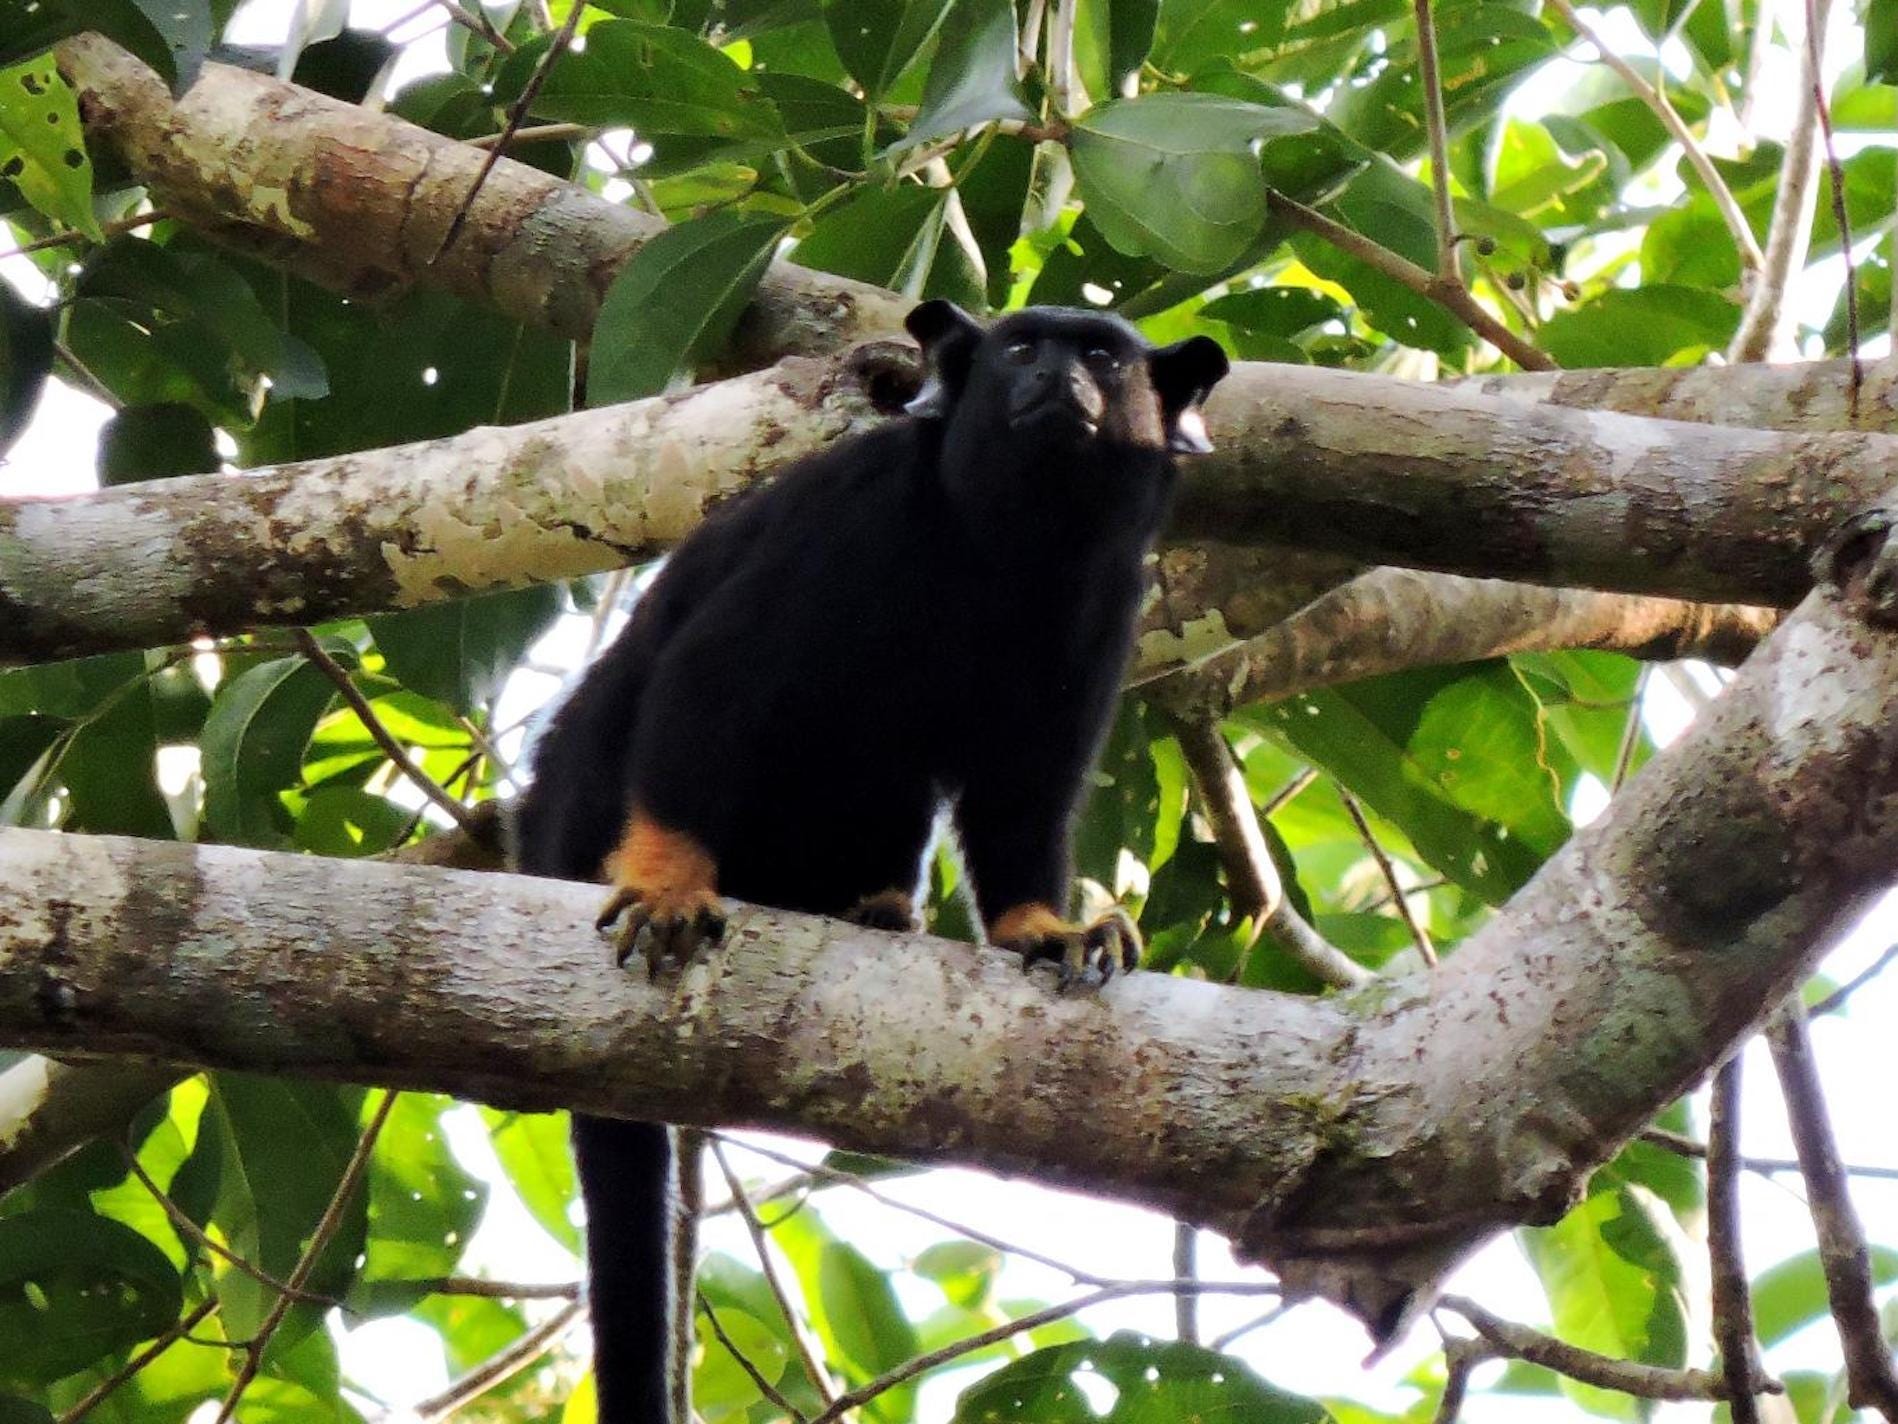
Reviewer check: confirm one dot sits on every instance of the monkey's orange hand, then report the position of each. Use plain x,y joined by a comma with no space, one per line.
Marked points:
665,886
1036,932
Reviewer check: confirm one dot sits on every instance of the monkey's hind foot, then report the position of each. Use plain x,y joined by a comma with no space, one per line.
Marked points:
662,928
664,897
1036,932
892,910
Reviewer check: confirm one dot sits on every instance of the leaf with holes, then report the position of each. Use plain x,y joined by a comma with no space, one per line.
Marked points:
73,1288
1176,176
1131,1380
42,148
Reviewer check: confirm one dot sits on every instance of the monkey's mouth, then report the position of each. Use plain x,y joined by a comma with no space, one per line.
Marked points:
1056,416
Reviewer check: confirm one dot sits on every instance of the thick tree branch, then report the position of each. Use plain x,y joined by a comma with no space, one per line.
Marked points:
1363,1141
1356,466
1390,619
359,201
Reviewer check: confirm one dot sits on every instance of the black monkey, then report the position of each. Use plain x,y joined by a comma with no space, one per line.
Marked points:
938,610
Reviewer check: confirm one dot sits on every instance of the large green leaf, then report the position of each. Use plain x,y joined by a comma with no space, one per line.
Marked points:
1881,41
652,78
538,1159
853,1306
284,1146
26,359
898,237
1641,326
879,39
156,442
1613,1285
972,78
461,652
675,302
252,746
1175,175
1152,1382
423,1207
24,739
1792,1293
42,149
75,1287
110,768
1192,33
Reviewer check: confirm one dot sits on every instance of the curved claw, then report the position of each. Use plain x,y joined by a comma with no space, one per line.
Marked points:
1080,953
661,928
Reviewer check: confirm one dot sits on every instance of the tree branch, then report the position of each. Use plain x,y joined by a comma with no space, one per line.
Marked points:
1450,1104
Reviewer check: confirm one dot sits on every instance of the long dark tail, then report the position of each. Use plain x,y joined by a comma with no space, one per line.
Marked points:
626,1173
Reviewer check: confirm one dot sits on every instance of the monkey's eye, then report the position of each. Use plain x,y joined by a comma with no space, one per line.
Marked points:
1101,359
1019,352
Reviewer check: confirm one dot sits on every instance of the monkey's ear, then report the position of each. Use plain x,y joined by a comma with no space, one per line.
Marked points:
1184,374
948,336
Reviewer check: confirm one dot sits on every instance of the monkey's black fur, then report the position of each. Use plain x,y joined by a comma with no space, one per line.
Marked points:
940,609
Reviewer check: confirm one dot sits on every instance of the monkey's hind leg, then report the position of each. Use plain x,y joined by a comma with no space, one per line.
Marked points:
893,910
665,895
1036,932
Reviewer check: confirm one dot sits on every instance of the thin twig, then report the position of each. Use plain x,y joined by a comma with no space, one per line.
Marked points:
1732,1303
319,1239
533,133
501,1290
73,236
181,1330
1603,1371
1835,172
929,1360
1685,1146
1289,792
1789,230
1870,1382
1431,77
1657,100
1453,297
480,25
1252,877
197,1235
1389,871
981,1238
1834,1001
1186,1268
516,112
688,1159
1461,1357
1258,1322
346,688
499,1367
1630,732
806,1349
83,377
765,1387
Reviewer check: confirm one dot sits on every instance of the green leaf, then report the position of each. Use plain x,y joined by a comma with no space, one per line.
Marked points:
1641,326
964,1270
675,303
28,27
110,768
423,1207
879,39
1792,1293
1192,33
1153,1382
26,359
652,78
972,78
1274,311
1391,740
1881,41
461,652
252,747
538,1158
346,821
1612,1283
285,1145
853,1306
75,1287
722,1386
1175,176
42,147
24,739
900,238
156,442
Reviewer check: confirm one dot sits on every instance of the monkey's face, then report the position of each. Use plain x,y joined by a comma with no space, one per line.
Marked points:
1052,382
